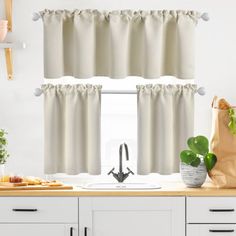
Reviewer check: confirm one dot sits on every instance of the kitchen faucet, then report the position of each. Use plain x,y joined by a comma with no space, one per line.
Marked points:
121,176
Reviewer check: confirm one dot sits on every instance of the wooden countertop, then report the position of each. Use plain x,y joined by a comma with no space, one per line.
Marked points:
168,189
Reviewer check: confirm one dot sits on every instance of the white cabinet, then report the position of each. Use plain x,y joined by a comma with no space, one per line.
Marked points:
39,216
211,210
38,230
208,216
211,230
39,210
117,216
131,216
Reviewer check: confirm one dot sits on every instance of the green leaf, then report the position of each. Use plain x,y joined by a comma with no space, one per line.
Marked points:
196,162
232,122
187,156
199,145
3,143
210,161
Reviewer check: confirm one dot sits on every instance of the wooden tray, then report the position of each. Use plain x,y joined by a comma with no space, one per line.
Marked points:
8,184
36,187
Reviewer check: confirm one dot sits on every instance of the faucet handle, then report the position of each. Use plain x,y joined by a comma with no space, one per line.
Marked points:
111,171
130,171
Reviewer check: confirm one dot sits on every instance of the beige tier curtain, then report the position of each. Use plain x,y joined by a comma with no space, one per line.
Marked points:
150,44
165,122
72,128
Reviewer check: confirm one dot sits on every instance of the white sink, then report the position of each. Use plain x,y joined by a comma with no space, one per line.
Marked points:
121,186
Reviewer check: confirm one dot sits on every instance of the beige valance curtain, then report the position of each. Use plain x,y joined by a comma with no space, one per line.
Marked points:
72,128
165,122
150,44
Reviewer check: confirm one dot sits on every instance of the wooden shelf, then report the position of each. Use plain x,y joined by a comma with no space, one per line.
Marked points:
8,46
8,8
8,56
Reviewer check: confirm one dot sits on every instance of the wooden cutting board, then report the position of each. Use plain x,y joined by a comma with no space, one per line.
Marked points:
8,184
36,187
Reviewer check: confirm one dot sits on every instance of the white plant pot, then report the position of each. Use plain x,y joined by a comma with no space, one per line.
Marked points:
193,177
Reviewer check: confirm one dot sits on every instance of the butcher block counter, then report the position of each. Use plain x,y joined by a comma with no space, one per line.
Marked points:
168,189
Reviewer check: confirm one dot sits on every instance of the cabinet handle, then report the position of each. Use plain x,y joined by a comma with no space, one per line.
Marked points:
24,210
85,231
221,210
221,230
71,231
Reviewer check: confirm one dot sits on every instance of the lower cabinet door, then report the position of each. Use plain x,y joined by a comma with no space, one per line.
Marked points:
132,216
211,229
38,230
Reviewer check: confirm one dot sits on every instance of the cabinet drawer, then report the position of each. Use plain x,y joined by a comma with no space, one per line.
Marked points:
211,210
211,230
38,229
38,210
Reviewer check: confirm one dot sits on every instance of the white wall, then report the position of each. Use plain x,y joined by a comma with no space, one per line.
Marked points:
22,113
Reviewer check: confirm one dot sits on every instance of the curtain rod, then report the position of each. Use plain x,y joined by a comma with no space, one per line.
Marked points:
201,91
204,16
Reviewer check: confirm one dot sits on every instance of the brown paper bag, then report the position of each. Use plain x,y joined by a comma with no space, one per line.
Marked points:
223,145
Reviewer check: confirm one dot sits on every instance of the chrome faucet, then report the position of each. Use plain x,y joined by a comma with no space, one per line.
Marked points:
121,176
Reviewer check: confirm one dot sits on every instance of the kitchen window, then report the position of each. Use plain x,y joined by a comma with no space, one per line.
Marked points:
118,125
118,119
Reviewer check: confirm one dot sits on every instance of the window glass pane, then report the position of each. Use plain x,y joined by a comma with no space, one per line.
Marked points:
119,125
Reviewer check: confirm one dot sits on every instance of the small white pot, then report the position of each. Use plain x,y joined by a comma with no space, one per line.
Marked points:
193,177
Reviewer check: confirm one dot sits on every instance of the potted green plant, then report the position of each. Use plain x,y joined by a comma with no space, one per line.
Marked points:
196,162
3,152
